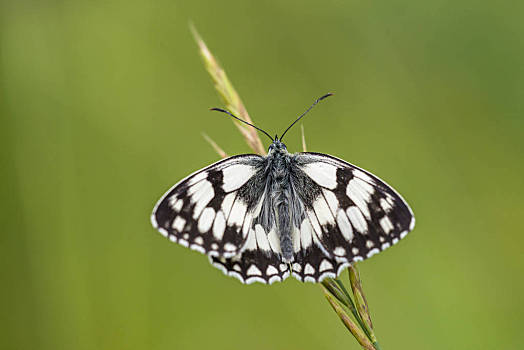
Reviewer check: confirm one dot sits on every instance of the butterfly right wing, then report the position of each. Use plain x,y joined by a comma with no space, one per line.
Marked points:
350,215
205,212
375,215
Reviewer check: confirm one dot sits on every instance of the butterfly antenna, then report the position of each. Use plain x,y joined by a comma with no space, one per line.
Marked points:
243,121
303,114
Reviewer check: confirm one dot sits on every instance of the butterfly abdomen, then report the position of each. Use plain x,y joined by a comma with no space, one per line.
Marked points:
284,224
281,201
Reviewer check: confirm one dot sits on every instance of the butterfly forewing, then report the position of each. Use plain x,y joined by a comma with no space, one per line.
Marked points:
205,212
355,214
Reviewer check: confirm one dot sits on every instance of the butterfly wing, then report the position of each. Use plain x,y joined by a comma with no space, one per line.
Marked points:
353,216
350,215
259,261
205,212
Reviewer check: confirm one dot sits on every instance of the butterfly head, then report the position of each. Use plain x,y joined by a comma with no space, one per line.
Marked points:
277,146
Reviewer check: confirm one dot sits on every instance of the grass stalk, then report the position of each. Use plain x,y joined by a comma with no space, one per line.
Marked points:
344,304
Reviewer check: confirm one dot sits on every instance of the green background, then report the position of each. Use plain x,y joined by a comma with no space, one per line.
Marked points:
103,104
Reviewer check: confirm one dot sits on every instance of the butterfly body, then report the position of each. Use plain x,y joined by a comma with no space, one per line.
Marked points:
262,218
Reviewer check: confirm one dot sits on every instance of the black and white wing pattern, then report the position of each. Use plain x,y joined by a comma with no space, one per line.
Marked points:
353,216
259,261
205,212
337,214
214,211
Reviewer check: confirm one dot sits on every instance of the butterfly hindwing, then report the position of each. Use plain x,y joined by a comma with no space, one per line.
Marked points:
355,214
205,212
259,261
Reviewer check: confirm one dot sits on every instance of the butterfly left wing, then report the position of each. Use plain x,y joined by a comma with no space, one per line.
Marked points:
205,212
353,216
259,260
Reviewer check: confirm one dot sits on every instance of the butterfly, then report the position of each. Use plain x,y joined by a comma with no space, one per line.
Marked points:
264,218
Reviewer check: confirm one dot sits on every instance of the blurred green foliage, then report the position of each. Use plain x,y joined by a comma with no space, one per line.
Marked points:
103,104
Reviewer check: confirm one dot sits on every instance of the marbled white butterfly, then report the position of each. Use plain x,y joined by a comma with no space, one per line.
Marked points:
262,218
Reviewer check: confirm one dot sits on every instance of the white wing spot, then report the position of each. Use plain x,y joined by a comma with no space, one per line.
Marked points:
198,177
183,242
366,187
172,238
206,219
176,203
163,232
372,252
385,246
323,174
179,223
403,234
271,270
370,244
313,220
238,211
253,279
246,226
385,205
185,236
344,225
297,267
306,238
412,224
295,236
395,240
219,225
261,237
357,219
386,224
339,251
229,247
354,250
173,199
309,270
199,240
214,246
258,208
331,199
237,267
253,271
360,194
362,175
202,197
236,175
322,211
325,265
283,267
197,187
227,202
251,242
198,248
274,241
274,279
381,239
